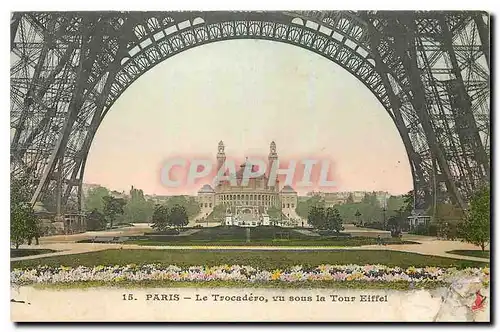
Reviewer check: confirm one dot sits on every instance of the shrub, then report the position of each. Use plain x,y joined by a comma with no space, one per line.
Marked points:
165,232
429,229
333,233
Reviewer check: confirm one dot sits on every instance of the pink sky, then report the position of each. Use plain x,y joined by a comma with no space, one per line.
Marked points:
248,93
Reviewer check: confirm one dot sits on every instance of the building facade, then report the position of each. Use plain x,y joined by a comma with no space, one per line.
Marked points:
289,202
255,194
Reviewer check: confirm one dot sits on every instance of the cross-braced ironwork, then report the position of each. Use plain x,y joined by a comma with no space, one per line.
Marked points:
430,70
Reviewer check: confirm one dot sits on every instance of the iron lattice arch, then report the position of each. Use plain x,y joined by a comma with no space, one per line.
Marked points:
430,71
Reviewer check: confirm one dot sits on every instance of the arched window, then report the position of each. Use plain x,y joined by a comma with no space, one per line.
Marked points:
139,31
153,24
198,20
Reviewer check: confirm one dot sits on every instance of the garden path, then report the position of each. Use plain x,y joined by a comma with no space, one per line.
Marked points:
426,247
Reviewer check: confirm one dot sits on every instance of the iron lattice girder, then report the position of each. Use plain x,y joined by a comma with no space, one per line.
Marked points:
433,38
451,97
62,86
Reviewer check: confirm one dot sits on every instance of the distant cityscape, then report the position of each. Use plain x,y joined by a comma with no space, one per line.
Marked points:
342,197
259,194
330,198
157,199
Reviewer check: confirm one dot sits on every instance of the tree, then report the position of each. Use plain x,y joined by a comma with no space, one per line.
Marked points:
325,219
192,207
333,220
138,209
189,203
113,207
316,216
366,198
370,198
370,213
357,215
23,224
392,222
429,229
350,199
408,200
95,221
23,221
178,216
303,207
398,210
476,228
17,229
397,223
394,203
94,199
160,218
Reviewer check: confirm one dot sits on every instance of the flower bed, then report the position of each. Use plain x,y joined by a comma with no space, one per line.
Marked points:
247,274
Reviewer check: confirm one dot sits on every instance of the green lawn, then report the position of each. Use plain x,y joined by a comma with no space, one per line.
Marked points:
473,253
333,242
259,236
236,233
28,252
257,258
